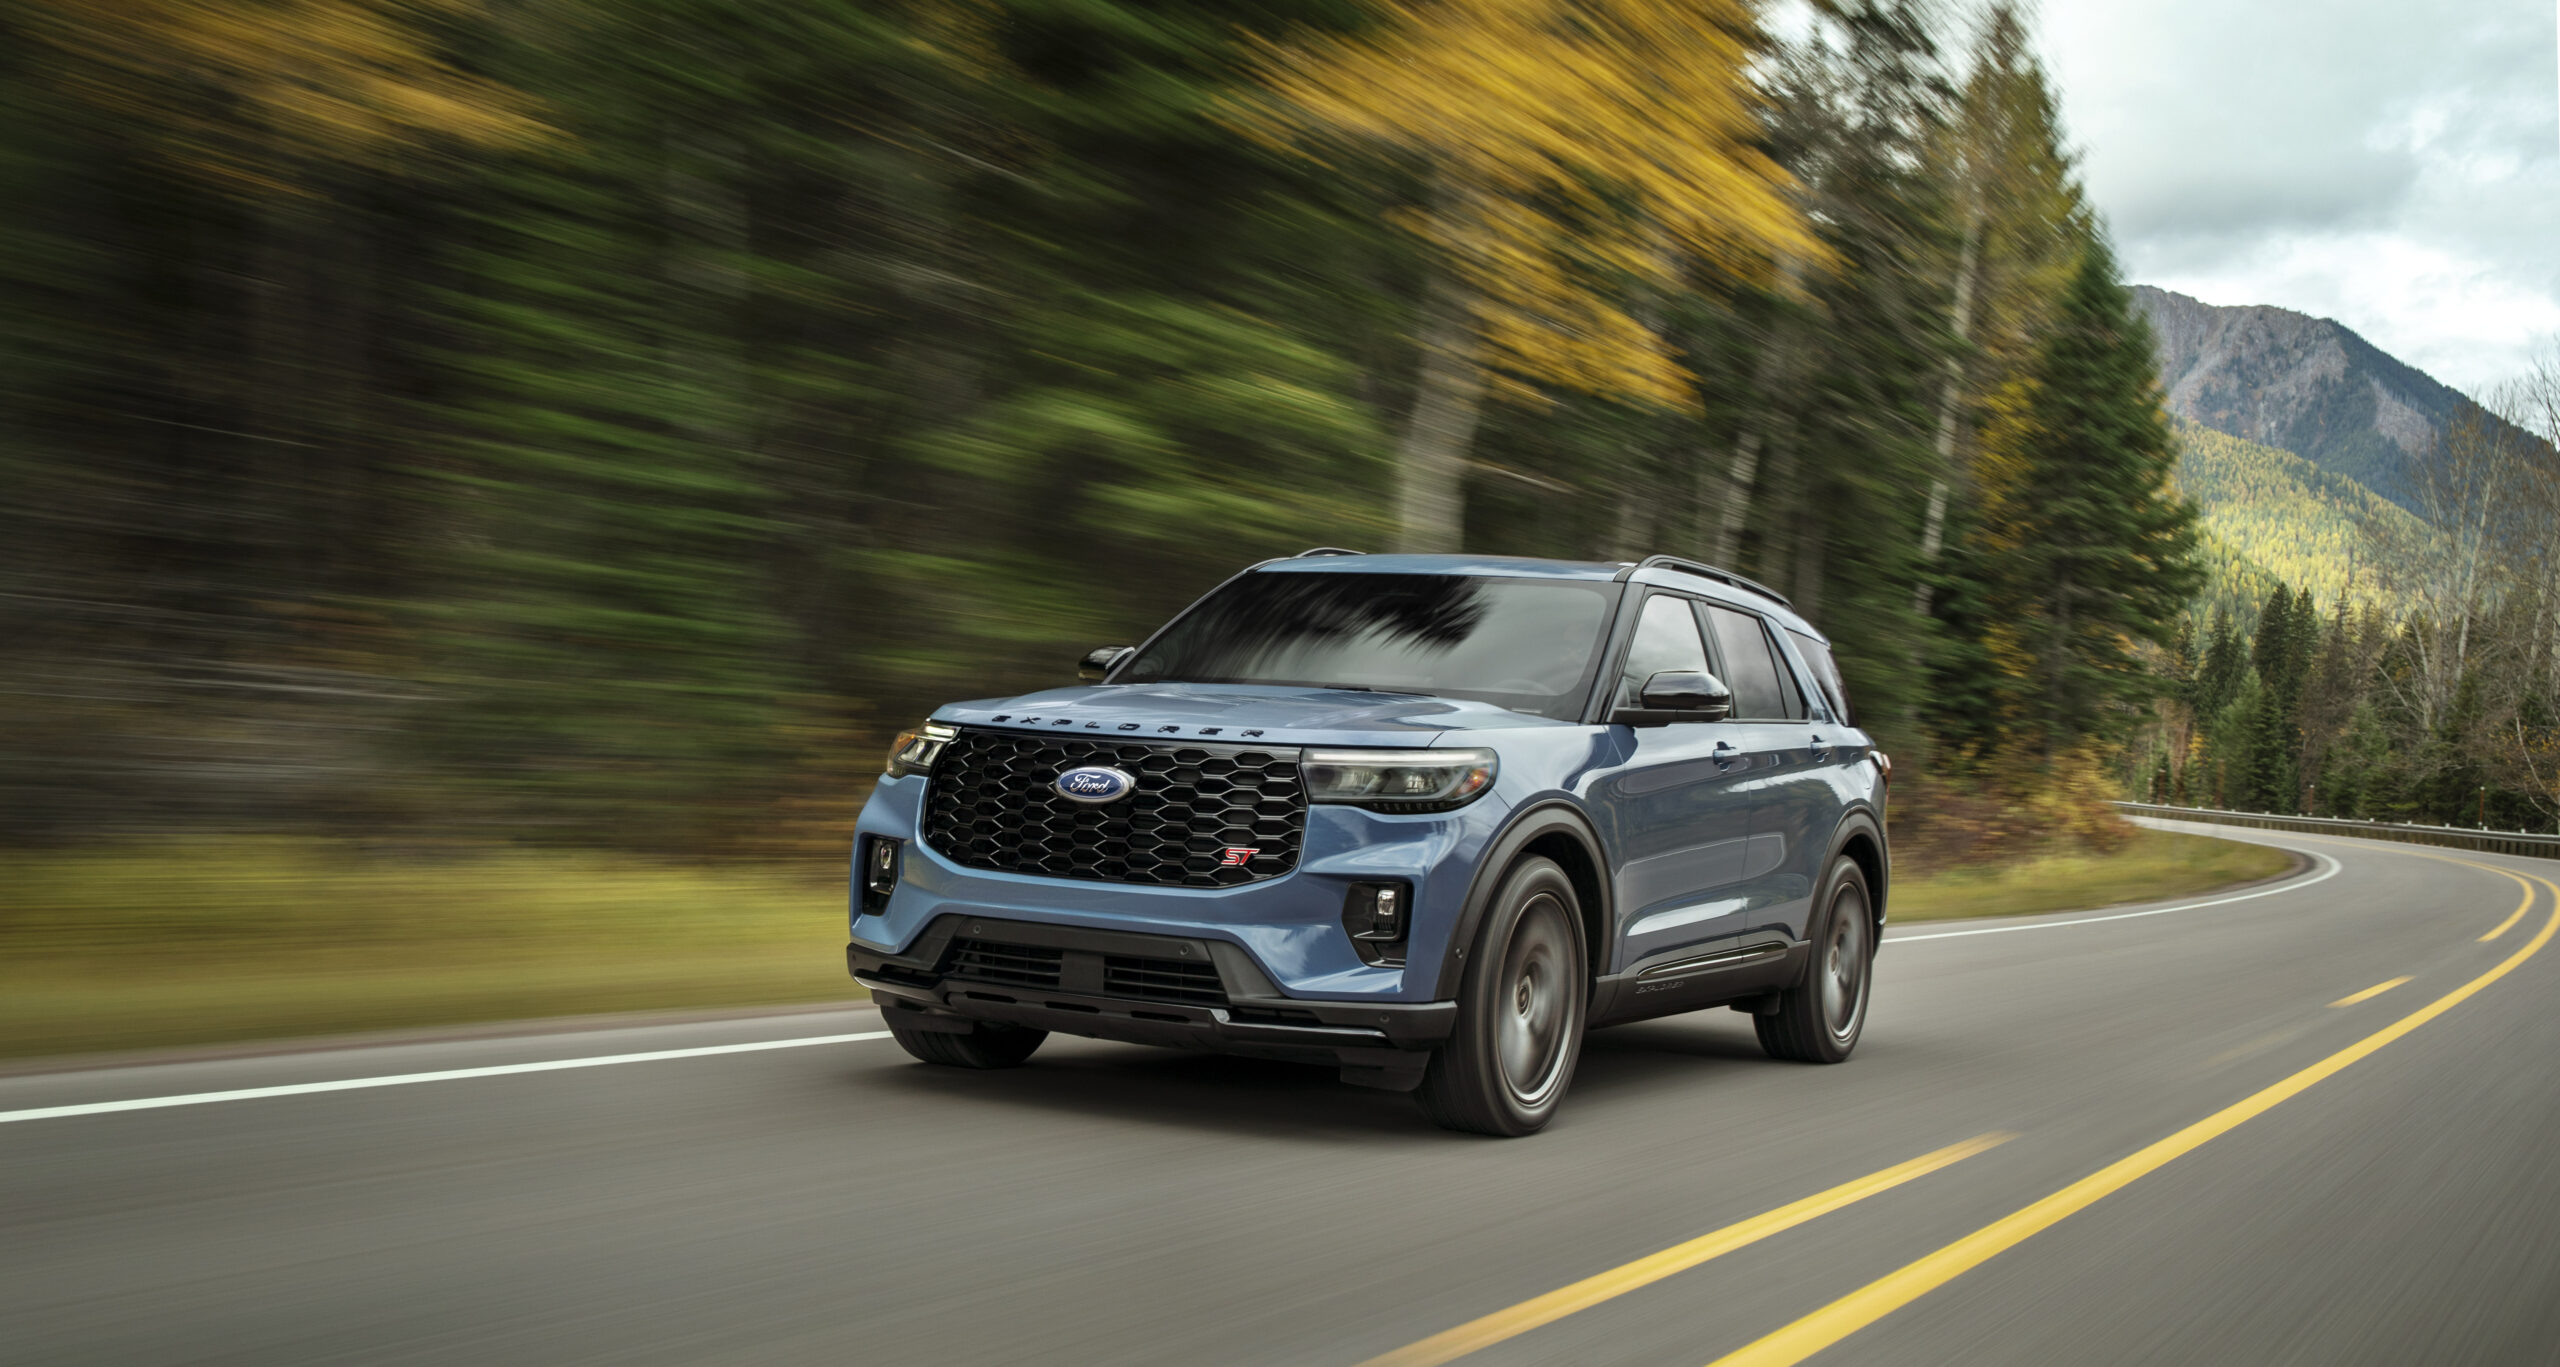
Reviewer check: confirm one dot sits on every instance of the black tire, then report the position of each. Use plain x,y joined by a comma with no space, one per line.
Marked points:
1820,1018
987,1045
1522,1002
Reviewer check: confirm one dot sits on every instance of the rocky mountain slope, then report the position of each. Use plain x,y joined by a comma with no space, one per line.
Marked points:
2301,384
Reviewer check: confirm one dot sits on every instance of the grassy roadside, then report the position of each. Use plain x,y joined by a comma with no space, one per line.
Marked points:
203,941
2151,866
206,941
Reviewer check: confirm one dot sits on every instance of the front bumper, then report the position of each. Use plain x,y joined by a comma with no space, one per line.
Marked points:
1140,989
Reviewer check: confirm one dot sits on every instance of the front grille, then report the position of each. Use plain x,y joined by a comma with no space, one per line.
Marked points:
1162,980
1021,965
990,805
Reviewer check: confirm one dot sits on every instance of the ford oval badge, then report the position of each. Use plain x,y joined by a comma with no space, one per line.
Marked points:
1094,784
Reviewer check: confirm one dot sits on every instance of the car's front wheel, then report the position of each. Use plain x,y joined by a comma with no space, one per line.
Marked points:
1521,1004
1820,1018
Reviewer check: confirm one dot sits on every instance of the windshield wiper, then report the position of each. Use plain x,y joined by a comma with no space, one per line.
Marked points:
1366,688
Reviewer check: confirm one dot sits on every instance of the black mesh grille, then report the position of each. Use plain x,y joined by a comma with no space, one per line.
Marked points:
1163,980
1194,808
1021,965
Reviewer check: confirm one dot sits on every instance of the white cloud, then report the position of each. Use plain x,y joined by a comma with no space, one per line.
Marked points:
2393,166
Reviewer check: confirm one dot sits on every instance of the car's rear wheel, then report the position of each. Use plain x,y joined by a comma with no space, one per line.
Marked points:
1521,1005
986,1045
1820,1018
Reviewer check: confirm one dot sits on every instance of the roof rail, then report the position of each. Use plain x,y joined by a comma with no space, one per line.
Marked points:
1324,550
1673,562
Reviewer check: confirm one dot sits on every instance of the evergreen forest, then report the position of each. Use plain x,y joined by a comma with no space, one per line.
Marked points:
580,424
2426,691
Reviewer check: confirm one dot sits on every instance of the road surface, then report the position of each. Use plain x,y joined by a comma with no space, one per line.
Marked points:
2313,1178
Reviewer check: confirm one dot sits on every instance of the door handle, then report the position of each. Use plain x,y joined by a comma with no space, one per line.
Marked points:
1821,752
1723,753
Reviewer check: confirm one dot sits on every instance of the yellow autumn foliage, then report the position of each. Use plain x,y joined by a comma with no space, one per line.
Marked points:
251,93
1582,154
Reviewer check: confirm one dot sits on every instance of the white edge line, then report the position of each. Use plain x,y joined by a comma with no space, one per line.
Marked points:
2290,885
153,1103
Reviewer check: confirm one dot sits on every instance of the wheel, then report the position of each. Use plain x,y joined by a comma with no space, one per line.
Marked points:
1521,1005
1818,1020
987,1045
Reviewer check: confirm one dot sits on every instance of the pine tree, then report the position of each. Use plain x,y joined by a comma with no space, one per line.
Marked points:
2087,548
2218,677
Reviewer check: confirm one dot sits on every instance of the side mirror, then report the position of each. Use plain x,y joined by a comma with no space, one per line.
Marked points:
1100,660
1681,695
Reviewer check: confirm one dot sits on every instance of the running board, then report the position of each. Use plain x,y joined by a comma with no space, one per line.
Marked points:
1721,959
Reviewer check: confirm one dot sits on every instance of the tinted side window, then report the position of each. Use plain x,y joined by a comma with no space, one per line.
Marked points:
1751,669
1826,672
1666,638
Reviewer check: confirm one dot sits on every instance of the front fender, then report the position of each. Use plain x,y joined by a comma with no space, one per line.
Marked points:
1549,819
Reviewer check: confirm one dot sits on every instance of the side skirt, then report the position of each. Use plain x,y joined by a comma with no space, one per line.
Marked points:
1726,975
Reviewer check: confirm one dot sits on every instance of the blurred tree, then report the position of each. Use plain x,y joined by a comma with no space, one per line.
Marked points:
258,95
2023,222
1574,154
587,422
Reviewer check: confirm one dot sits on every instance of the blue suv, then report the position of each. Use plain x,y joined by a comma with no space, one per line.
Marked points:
1423,818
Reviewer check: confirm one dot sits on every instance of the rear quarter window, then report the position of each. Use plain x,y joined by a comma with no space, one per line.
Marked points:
1826,672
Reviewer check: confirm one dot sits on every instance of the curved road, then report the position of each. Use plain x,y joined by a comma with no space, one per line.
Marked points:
2185,1137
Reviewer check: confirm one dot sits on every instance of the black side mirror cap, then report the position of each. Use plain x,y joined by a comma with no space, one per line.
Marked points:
1100,661
1680,695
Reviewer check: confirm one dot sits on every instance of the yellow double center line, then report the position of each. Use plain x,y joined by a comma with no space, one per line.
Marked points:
1879,1298
1617,1281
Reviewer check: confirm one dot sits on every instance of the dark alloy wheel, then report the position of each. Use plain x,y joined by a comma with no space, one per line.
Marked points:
1521,1006
1819,1019
987,1045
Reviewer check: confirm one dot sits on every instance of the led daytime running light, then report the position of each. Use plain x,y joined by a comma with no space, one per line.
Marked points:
915,750
1398,780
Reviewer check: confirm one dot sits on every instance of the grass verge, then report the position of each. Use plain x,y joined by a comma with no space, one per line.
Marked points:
194,942
2151,866
197,942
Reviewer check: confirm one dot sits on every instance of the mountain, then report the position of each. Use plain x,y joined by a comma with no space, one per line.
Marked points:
2306,385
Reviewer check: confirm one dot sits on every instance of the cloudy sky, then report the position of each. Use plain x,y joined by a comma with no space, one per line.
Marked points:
2392,164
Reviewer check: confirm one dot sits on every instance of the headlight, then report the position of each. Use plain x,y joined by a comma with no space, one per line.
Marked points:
916,750
1399,780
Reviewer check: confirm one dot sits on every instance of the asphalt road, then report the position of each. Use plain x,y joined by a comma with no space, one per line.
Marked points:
837,1203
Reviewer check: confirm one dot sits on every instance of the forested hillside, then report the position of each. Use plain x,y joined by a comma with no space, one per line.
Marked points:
2432,691
2272,518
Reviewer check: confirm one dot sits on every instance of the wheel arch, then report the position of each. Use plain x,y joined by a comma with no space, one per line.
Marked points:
1556,830
1861,838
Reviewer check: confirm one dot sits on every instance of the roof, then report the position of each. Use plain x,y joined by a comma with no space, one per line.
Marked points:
1507,566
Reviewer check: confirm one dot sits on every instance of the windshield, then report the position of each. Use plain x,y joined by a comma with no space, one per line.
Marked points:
1525,644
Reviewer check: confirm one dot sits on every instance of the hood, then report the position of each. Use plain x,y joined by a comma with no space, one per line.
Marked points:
1280,715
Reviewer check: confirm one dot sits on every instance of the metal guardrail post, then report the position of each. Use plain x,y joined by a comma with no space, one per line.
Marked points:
2494,842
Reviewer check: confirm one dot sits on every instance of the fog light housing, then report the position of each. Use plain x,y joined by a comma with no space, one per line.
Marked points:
877,871
1378,916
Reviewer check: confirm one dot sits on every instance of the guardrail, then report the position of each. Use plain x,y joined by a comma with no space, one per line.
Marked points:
2461,837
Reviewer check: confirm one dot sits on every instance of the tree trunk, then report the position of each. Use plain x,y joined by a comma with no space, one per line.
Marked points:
1742,471
1431,459
1950,400
1632,527
1738,476
1810,546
